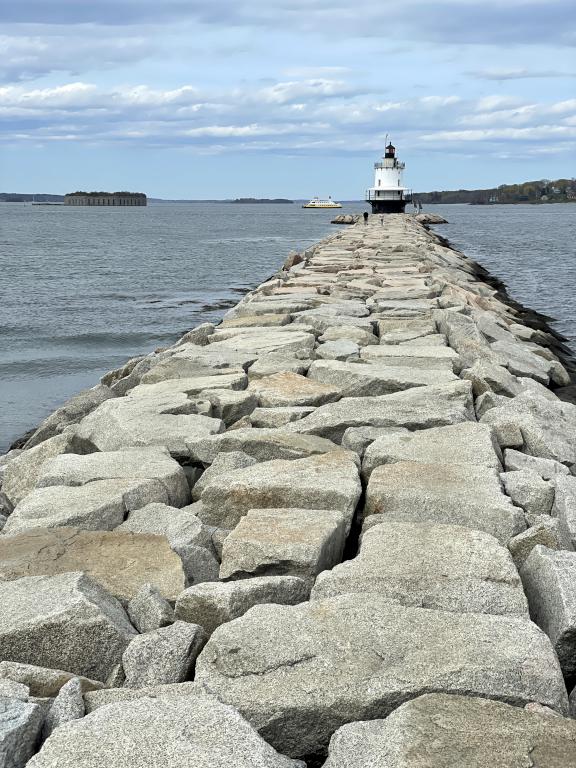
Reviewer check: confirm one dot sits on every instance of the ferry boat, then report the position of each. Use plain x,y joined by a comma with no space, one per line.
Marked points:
316,202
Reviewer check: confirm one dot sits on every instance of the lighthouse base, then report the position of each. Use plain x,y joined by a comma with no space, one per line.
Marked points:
388,206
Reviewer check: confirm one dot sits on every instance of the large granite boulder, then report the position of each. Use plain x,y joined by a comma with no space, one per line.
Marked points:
275,542
363,379
549,577
21,474
546,427
71,412
42,681
460,494
64,622
328,481
181,732
160,419
133,464
20,729
101,505
297,673
464,443
447,567
262,445
165,655
120,561
459,731
216,603
412,356
564,508
416,408
291,389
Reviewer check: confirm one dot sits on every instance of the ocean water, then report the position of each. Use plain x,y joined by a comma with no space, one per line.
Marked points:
83,290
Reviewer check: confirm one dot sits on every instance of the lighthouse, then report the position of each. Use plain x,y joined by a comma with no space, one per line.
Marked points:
388,195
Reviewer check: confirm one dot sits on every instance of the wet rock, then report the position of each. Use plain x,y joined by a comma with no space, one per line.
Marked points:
133,464
328,481
292,389
459,494
527,490
548,577
165,655
319,665
211,605
148,610
43,682
180,732
276,542
143,558
63,622
437,729
447,567
417,408
464,443
20,727
68,705
71,412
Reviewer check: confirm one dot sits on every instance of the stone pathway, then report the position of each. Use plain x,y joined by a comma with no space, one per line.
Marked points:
337,529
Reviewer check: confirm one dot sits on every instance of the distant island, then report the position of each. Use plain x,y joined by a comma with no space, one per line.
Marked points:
105,198
262,200
534,192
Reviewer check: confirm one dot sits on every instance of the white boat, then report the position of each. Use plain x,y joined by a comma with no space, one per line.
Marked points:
316,202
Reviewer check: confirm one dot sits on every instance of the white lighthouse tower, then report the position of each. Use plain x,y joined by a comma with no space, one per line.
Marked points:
388,195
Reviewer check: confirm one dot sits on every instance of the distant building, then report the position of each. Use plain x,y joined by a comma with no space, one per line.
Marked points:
105,198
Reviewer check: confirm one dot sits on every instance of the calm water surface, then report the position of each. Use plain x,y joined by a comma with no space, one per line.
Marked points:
83,290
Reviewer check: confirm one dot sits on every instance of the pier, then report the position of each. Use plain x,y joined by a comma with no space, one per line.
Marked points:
338,527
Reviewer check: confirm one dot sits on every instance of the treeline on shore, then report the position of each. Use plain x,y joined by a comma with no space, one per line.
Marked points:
543,191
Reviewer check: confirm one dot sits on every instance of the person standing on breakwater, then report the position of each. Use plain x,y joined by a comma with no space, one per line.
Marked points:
382,220
365,217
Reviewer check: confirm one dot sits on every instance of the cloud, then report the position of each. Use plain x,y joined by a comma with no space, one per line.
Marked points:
306,117
442,21
519,74
27,57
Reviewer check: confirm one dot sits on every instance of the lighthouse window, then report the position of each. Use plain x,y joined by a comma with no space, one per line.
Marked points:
379,182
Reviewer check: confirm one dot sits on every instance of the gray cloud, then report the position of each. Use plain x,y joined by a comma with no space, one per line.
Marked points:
440,21
519,74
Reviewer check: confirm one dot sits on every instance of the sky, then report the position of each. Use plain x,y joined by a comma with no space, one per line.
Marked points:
291,98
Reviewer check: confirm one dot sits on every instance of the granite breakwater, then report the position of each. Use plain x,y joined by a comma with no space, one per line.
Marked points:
337,529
